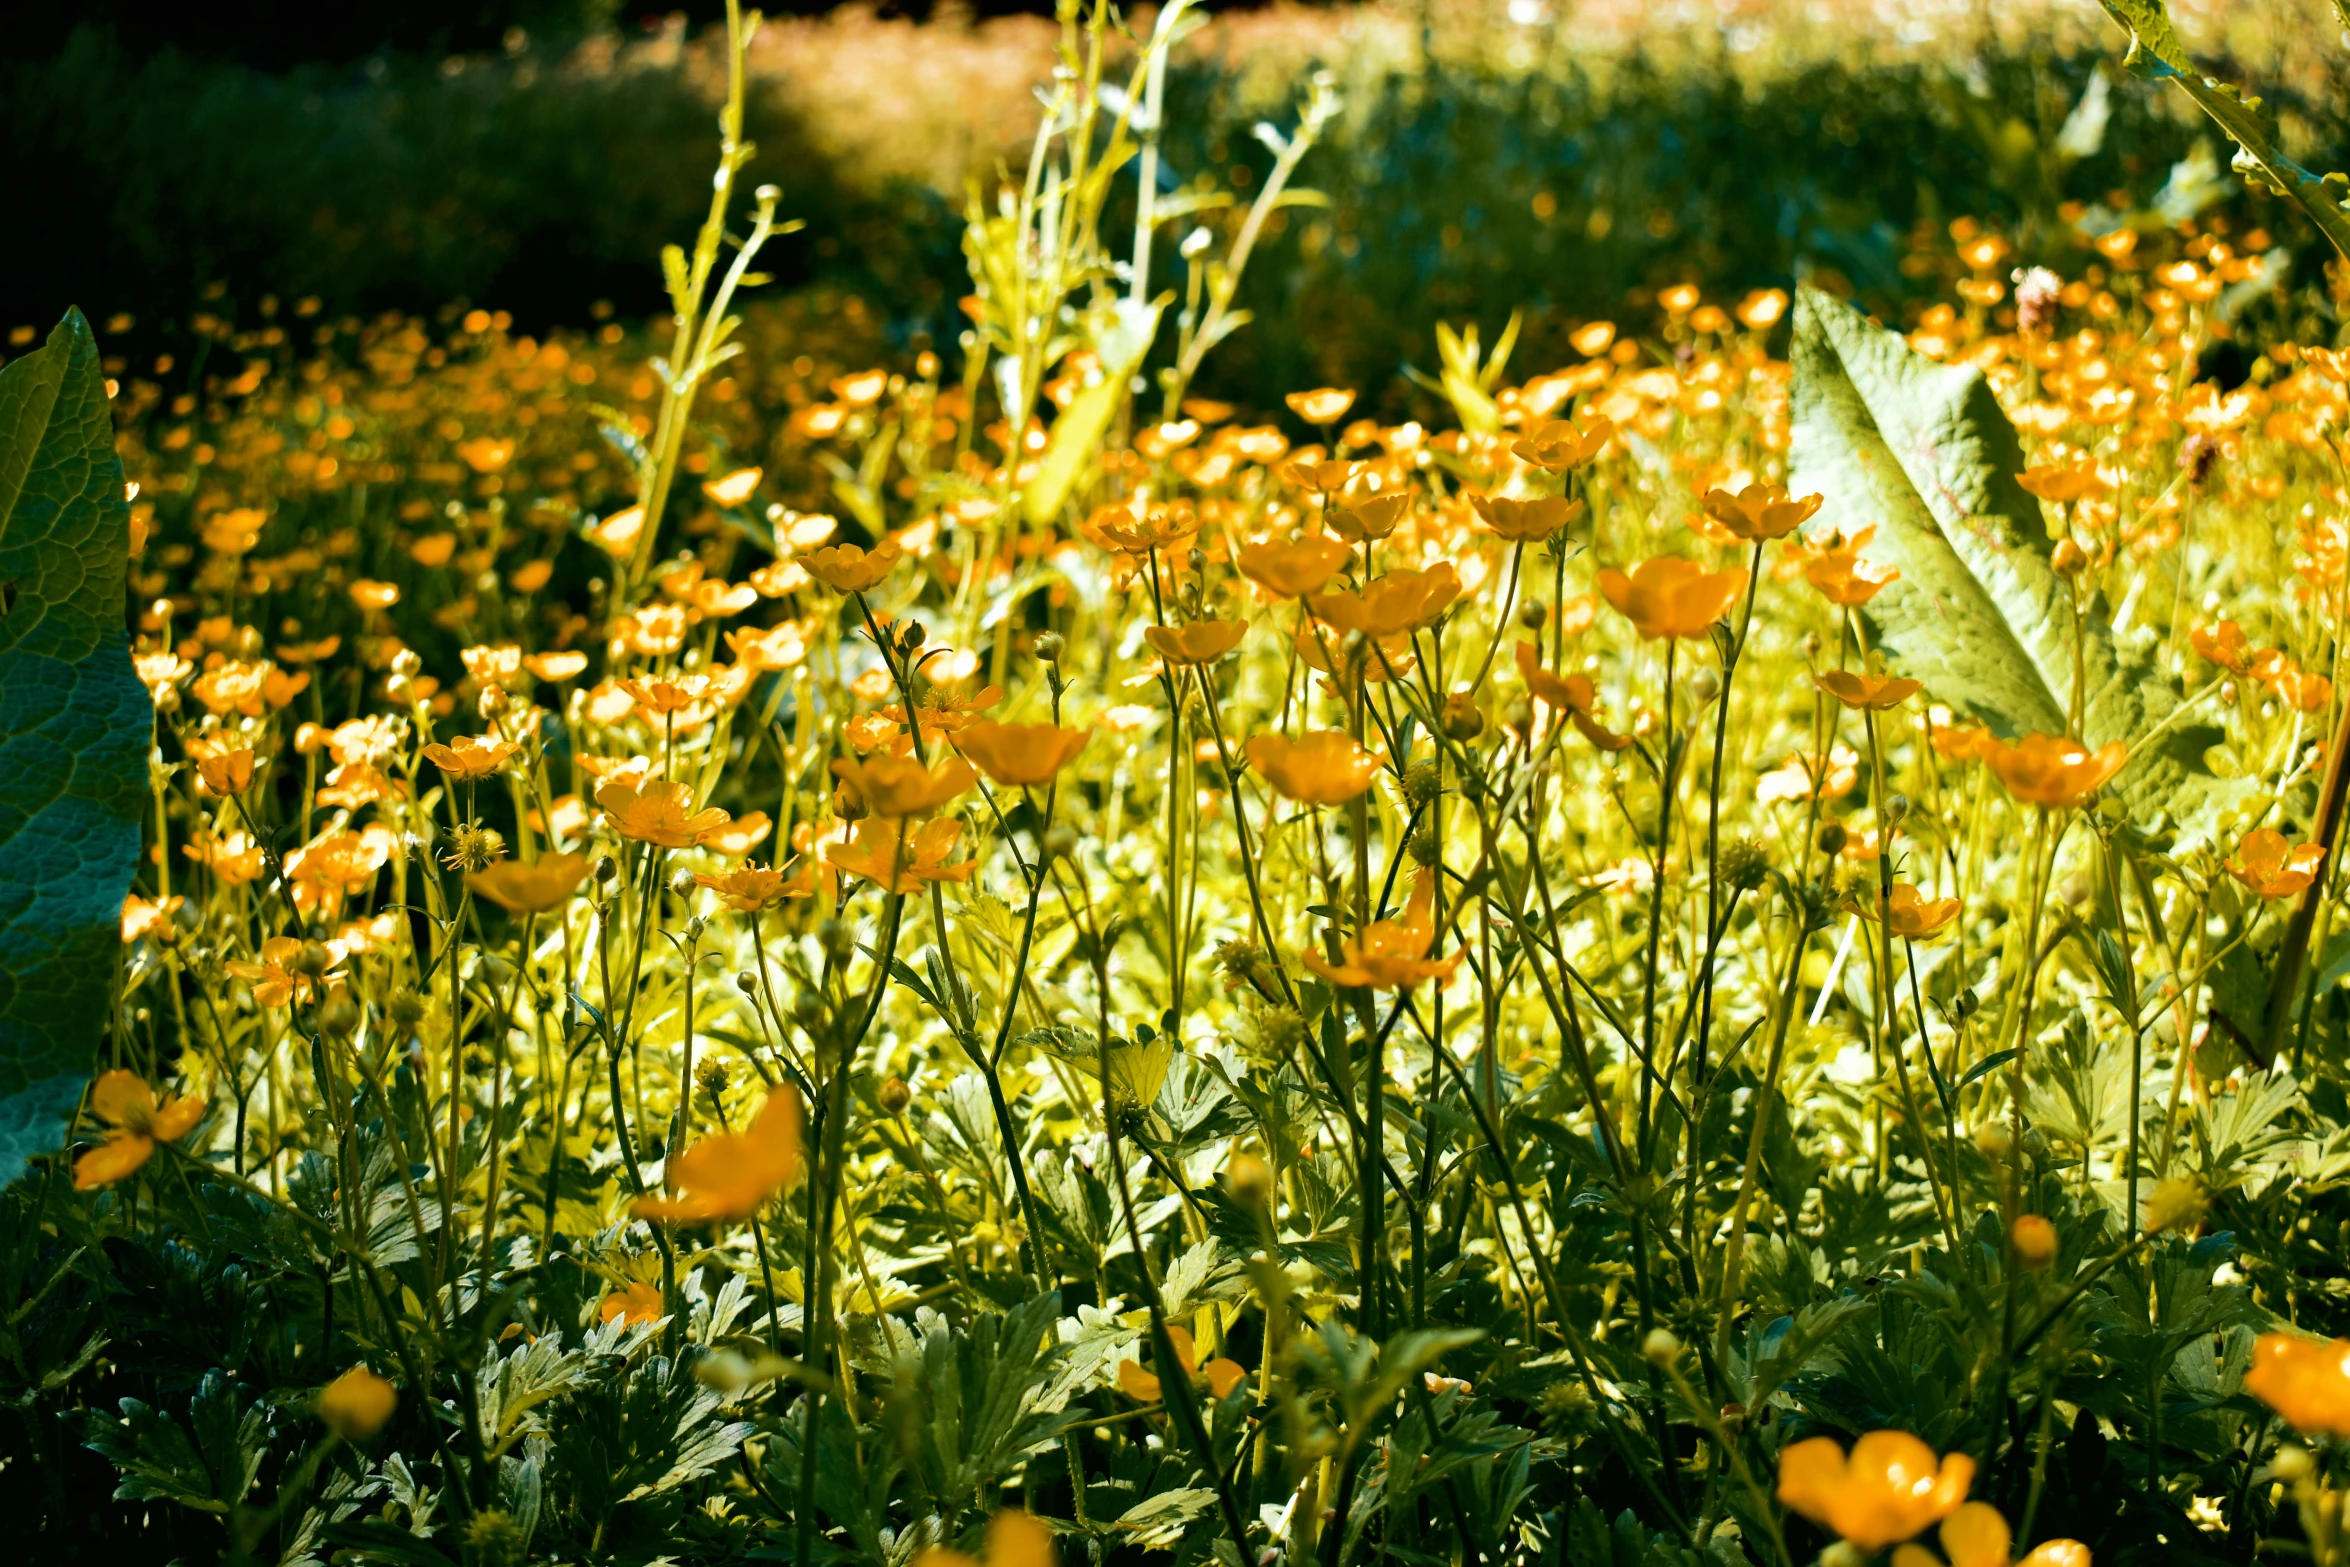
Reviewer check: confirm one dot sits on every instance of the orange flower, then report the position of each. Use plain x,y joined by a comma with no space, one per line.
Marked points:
1221,1375
1391,954
735,488
2064,481
1386,658
1561,447
530,889
1201,642
1569,694
2034,1240
658,811
225,771
1021,756
1846,579
2225,645
1874,693
2305,1380
274,979
635,1304
900,786
1977,1536
617,534
1671,597
1121,527
1369,520
1906,914
884,852
2053,771
1326,767
749,888
138,1121
357,1404
1013,1540
1400,602
730,1175
2271,869
1293,570
471,758
1323,405
1761,511
1525,522
140,916
845,568
1885,1492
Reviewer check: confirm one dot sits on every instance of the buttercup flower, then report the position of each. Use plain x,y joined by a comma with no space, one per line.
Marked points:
545,884
1888,1489
2225,645
748,888
2034,1240
1370,520
901,786
1671,597
1905,913
1559,446
1873,693
899,858
1013,1540
1570,694
846,568
470,757
1221,1375
2053,771
731,1175
138,1121
735,488
1761,511
1293,570
658,811
1391,954
225,770
276,979
1525,522
1400,602
634,1304
1326,767
1020,755
357,1404
1324,405
1201,642
2305,1380
1849,581
2273,869
1978,1536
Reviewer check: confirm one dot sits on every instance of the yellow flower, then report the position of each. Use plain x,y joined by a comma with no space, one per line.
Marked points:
845,568
735,488
1391,954
1569,694
1671,597
1846,579
357,1404
2271,868
1323,405
1400,602
1871,693
1013,1540
275,980
1325,767
1525,522
2305,1380
2053,771
900,785
1293,570
731,1175
1906,914
127,1105
884,852
536,888
1761,511
634,1304
2034,1240
1221,1375
1977,1536
1887,1490
225,770
471,758
748,889
1020,755
1201,642
658,811
1560,446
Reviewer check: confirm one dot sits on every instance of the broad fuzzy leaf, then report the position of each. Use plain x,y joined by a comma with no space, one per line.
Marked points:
75,727
1922,452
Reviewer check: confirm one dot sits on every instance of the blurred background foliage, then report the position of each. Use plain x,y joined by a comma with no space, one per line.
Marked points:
532,155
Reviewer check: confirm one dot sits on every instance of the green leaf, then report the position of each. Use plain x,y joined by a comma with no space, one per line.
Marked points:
75,727
1121,340
2157,55
1922,452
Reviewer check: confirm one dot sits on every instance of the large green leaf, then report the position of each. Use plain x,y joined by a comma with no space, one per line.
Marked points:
1922,452
75,730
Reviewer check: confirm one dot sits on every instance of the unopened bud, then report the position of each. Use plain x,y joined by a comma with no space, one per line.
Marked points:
1832,838
1461,719
1894,811
1704,686
681,885
606,867
1661,1348
1994,1141
2068,558
1049,647
895,1095
1532,614
338,1015
1249,1179
2293,1463
311,959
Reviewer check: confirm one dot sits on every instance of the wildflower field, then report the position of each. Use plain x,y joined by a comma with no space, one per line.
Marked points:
1703,934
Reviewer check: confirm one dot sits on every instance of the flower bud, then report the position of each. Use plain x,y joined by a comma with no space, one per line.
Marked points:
1049,647
357,1404
1422,782
2068,558
1894,811
746,982
1533,614
2293,1463
1461,720
1249,1179
1424,847
606,867
1994,1141
712,1073
406,1010
1744,864
681,884
1832,838
895,1095
338,1015
1704,686
2034,1240
311,959
1661,1348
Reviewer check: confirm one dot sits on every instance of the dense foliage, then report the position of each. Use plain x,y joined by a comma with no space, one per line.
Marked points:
1728,952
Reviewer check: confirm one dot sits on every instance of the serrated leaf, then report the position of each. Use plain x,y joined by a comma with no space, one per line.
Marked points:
1922,452
75,727
2157,54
